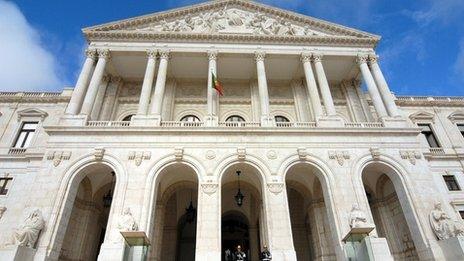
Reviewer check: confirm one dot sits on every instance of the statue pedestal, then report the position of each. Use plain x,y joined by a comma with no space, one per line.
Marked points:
145,120
330,122
17,253
453,248
136,247
360,246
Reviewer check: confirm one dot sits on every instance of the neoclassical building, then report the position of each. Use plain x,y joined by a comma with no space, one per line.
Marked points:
306,146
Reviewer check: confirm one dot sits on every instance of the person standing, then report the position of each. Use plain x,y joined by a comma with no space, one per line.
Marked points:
239,254
265,255
228,255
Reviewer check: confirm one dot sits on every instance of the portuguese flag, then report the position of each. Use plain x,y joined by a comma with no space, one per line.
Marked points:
217,85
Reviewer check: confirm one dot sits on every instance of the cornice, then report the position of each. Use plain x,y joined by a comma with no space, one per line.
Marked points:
34,97
429,101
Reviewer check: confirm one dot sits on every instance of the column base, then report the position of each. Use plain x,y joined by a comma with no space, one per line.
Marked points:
146,120
73,120
452,248
112,251
211,121
208,255
395,122
267,121
284,255
330,121
17,253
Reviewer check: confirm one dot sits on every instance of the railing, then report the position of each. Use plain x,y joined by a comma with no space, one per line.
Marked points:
108,123
429,98
239,124
296,125
364,125
30,94
437,151
171,124
16,151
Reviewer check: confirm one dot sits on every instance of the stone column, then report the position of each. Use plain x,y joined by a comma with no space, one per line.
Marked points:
324,85
266,119
100,98
103,57
382,85
212,118
158,94
110,98
147,85
82,83
371,87
208,247
311,86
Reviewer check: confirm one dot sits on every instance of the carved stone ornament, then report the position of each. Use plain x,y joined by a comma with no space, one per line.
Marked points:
99,153
272,154
58,156
362,58
104,53
241,153
410,155
179,153
127,221
28,232
2,211
302,153
91,53
340,156
139,156
357,217
275,188
209,188
442,225
375,153
210,154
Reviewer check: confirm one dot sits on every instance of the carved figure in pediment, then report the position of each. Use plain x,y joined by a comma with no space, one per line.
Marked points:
218,21
297,30
201,24
184,25
283,28
234,18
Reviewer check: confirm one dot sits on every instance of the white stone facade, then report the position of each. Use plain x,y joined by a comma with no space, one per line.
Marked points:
300,178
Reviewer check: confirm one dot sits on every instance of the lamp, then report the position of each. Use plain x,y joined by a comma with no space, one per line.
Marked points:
108,197
239,197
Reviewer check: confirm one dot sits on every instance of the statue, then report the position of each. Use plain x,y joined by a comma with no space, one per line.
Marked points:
2,210
357,217
442,225
127,221
28,233
234,18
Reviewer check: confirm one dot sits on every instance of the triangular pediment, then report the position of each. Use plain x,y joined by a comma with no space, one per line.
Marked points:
32,112
229,19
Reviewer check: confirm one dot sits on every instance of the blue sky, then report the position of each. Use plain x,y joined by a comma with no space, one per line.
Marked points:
422,47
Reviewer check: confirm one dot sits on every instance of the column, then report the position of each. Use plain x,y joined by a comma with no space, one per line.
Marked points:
157,99
82,84
382,85
99,100
212,93
371,87
262,89
147,83
110,99
103,57
324,85
311,86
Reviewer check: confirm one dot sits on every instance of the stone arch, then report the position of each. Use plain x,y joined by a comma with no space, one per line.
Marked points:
198,113
251,160
242,113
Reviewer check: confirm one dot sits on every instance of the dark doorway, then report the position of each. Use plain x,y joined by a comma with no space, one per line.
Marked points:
186,239
235,231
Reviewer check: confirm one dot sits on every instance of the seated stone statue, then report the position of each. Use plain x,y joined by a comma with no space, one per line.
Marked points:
357,217
28,233
127,221
442,225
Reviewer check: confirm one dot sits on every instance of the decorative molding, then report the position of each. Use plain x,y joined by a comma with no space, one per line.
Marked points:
302,153
340,156
375,153
457,116
210,154
410,155
260,56
90,53
212,55
241,153
99,153
139,156
317,57
164,54
209,188
104,53
271,154
152,53
361,59
32,112
275,187
422,116
58,156
179,153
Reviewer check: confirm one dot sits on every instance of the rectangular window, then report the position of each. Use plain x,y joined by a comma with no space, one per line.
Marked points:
25,135
4,185
451,183
461,129
429,135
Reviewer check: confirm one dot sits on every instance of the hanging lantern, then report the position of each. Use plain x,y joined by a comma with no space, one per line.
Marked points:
108,197
239,197
190,212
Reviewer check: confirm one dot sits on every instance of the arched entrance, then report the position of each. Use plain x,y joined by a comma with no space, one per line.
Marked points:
242,225
175,221
312,236
387,211
88,219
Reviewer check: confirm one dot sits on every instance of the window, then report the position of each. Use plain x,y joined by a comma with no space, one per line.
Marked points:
461,212
190,118
429,135
25,135
4,185
128,117
451,183
461,129
235,118
281,119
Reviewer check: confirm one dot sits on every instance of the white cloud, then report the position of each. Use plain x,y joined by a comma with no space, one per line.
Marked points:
25,65
443,11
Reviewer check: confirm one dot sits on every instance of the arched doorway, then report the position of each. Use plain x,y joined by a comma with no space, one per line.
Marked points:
175,221
312,235
88,220
244,224
387,211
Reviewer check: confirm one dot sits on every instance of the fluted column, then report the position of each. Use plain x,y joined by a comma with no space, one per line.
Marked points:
382,86
212,94
324,85
82,83
103,57
147,85
158,94
371,87
262,89
100,98
311,86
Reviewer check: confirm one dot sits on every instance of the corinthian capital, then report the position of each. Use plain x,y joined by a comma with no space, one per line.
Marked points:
259,56
317,57
305,57
373,58
152,54
164,54
90,53
104,53
362,58
212,55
